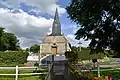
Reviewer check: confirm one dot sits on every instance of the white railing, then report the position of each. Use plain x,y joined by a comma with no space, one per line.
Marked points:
17,70
45,57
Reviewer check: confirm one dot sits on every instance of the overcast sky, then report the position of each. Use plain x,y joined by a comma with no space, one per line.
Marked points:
31,20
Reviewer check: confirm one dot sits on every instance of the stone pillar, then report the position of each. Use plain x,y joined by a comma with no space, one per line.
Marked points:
52,69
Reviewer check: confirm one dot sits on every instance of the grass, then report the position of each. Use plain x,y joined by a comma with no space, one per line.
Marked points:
21,71
31,78
13,58
10,65
22,78
84,54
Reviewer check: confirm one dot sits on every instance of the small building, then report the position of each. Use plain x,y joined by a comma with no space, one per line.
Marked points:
55,43
32,58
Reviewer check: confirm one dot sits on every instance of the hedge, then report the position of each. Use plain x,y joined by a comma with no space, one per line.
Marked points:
13,58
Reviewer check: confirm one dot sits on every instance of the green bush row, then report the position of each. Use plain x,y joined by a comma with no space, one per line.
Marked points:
13,57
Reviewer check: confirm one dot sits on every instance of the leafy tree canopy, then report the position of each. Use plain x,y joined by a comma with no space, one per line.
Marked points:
99,21
35,48
8,41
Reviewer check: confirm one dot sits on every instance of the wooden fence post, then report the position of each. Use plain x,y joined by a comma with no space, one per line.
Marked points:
16,78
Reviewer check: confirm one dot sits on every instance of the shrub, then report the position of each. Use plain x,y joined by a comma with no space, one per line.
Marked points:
113,74
13,57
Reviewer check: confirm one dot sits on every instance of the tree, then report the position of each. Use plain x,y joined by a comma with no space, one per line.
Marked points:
35,48
8,41
27,49
99,21
70,45
1,33
72,55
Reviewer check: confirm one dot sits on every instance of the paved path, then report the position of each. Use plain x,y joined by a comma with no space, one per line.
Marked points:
59,71
59,77
116,63
110,65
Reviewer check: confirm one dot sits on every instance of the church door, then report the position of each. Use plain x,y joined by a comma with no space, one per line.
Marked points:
54,50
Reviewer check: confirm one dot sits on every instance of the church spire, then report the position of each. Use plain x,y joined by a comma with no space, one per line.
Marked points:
56,28
56,18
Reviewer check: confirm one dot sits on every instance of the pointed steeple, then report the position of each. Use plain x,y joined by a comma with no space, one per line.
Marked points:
56,28
56,18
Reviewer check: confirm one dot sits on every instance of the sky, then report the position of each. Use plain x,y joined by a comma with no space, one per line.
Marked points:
31,20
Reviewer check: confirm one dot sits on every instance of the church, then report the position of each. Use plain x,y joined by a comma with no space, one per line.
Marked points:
55,43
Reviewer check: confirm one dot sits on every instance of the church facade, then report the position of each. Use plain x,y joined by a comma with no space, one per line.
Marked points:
55,43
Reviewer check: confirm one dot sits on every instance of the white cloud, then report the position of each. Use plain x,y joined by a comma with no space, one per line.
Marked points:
48,8
11,3
27,42
71,36
72,27
50,31
75,42
44,6
28,28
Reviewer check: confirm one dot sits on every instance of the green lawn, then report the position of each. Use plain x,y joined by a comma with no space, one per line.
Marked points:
21,78
21,71
10,65
84,54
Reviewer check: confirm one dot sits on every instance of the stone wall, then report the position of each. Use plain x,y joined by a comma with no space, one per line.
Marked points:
46,48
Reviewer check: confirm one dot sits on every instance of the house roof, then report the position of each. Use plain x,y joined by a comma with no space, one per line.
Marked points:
54,39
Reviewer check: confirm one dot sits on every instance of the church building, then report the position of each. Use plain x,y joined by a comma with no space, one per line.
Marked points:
55,43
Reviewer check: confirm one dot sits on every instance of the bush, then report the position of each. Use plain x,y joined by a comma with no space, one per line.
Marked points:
114,74
76,74
72,56
13,57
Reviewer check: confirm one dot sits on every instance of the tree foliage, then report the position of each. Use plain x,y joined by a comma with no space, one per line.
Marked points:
1,33
35,48
8,41
72,55
99,22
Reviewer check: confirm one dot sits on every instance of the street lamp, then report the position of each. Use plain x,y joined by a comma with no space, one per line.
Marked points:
80,45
